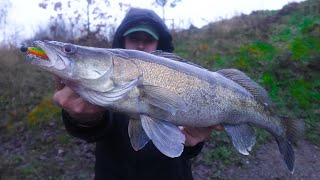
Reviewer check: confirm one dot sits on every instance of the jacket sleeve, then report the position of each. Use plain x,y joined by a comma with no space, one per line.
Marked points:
191,152
90,134
105,128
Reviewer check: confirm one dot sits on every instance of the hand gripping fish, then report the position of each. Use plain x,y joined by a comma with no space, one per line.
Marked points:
161,91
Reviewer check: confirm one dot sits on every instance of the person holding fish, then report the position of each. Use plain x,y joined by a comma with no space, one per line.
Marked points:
142,30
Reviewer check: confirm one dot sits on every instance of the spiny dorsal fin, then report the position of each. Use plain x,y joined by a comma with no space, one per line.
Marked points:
259,93
168,55
173,57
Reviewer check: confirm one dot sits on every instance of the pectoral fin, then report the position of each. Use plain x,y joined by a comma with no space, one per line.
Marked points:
242,136
167,137
106,98
97,84
137,135
163,98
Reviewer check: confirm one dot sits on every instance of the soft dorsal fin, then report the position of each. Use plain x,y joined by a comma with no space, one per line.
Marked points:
173,57
259,93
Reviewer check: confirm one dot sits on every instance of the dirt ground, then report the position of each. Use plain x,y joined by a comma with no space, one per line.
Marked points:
266,163
28,153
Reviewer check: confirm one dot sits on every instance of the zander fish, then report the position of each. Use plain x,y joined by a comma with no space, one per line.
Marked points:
161,91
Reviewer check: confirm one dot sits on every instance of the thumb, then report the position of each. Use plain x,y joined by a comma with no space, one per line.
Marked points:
58,84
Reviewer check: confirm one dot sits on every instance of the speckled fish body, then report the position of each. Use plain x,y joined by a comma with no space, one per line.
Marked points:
161,91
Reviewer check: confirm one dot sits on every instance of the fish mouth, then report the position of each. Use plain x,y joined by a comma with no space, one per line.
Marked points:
54,59
38,60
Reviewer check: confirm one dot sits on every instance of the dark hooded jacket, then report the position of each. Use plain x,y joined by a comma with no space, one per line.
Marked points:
115,157
144,16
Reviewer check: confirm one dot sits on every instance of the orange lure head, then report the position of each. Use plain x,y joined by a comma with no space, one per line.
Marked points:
35,51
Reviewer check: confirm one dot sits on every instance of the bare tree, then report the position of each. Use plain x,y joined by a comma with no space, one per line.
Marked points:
83,17
4,7
163,3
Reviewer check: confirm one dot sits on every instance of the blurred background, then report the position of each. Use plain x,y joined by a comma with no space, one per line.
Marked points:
277,43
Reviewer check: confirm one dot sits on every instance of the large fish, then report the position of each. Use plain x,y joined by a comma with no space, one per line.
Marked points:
161,91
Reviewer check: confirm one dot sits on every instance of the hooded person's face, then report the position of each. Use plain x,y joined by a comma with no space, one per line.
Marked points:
141,41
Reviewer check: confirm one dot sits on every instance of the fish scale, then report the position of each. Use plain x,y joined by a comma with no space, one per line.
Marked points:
161,91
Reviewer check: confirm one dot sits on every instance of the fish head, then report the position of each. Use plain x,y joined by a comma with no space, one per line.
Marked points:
72,62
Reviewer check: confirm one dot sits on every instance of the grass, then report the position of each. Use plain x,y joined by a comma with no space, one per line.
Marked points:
45,111
281,62
34,142
22,87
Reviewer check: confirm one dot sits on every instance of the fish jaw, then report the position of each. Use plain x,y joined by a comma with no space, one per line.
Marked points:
55,63
91,67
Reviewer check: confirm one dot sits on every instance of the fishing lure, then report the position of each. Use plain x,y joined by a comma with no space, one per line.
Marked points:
35,51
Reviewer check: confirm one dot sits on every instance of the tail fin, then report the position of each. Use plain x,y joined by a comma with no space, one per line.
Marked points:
287,153
294,129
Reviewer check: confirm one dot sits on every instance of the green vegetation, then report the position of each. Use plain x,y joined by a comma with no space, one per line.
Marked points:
278,49
45,111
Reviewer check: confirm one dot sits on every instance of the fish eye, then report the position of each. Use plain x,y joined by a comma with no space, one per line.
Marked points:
69,49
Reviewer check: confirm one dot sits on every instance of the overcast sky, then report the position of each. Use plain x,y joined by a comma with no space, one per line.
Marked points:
26,16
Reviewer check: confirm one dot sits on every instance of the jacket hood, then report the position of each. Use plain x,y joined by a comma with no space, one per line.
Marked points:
137,16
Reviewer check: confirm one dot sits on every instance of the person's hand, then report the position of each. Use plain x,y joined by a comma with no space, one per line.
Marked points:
196,135
78,108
